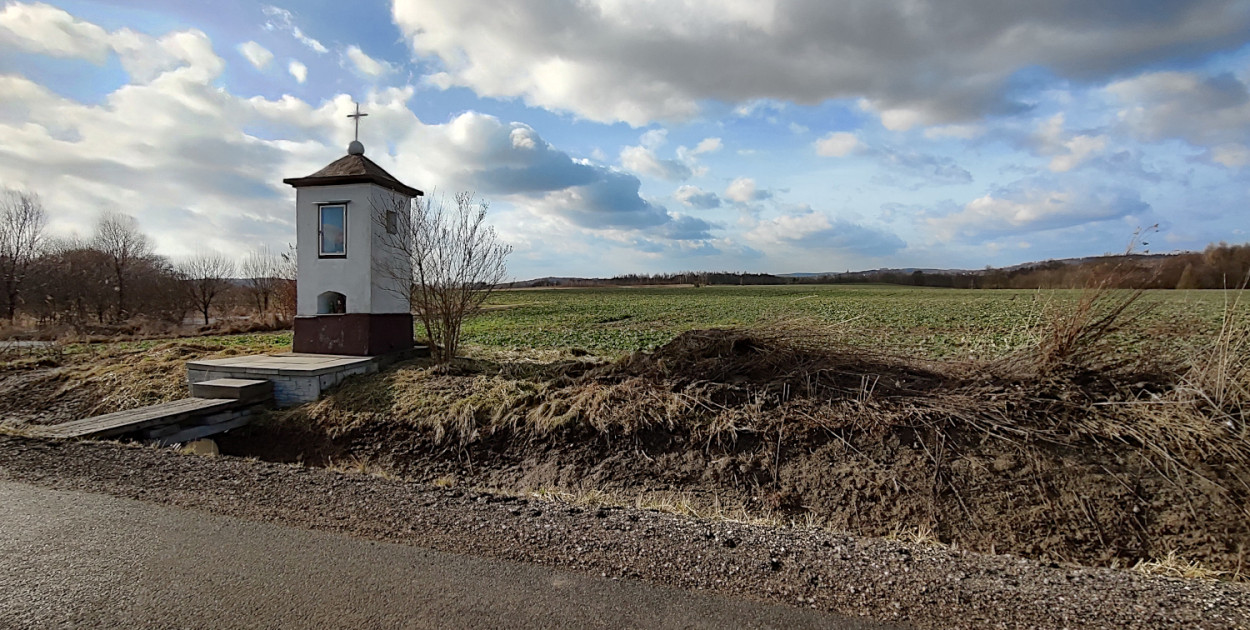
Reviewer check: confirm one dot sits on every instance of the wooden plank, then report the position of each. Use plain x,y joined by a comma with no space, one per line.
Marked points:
121,422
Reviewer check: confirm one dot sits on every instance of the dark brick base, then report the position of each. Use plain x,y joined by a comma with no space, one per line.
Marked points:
353,334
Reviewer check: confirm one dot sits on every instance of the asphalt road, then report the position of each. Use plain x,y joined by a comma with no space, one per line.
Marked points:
73,559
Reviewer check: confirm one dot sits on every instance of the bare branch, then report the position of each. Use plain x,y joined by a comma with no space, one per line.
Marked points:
261,275
118,236
22,222
449,258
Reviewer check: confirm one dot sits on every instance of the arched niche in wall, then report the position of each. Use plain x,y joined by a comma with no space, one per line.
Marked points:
331,303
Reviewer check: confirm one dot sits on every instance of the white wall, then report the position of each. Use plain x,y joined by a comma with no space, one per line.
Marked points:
392,267
363,275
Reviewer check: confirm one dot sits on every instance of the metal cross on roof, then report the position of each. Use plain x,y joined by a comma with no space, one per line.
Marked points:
357,116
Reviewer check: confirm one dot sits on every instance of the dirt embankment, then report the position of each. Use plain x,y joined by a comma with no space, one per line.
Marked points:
1090,459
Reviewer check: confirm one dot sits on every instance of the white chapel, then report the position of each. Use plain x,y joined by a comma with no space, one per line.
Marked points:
352,291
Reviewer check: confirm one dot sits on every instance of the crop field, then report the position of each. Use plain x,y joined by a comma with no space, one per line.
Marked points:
931,322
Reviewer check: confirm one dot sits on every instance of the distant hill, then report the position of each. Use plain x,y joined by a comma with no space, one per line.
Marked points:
1218,266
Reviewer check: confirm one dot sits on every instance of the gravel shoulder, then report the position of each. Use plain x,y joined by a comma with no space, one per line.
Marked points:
917,585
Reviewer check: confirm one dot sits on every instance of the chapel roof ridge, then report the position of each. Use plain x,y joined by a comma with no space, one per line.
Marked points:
353,169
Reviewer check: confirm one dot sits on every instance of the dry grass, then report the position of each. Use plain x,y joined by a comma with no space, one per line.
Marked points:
203,448
1172,565
71,381
356,465
919,535
14,430
677,503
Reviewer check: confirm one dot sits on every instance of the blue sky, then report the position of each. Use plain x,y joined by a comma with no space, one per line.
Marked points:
615,136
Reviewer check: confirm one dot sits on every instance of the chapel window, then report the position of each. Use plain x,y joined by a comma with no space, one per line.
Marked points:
332,230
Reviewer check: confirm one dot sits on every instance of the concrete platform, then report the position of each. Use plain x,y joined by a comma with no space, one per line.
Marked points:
285,363
297,378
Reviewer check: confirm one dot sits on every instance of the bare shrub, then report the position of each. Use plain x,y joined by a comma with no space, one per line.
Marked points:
452,260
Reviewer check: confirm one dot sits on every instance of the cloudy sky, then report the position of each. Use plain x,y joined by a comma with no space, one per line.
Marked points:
615,136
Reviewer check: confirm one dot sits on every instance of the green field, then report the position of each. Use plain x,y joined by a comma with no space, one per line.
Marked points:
940,323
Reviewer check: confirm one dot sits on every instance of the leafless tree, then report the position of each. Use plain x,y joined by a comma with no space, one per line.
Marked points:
260,271
22,221
118,236
206,276
286,271
449,259
73,280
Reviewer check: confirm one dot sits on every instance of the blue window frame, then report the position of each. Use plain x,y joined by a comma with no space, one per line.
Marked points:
332,230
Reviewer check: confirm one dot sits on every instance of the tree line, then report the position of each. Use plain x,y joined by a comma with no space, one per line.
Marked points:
112,277
1218,266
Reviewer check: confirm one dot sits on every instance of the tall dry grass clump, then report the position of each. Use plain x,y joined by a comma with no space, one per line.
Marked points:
1078,336
1207,408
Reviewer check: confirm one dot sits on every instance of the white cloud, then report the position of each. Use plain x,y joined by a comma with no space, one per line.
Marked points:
915,62
257,55
807,229
1033,207
168,150
899,118
169,147
298,70
1232,155
695,197
654,138
42,29
837,144
790,227
1068,151
1206,111
743,190
367,65
512,162
1080,148
283,20
707,145
766,108
641,159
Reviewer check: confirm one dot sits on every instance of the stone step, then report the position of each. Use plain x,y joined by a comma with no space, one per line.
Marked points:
245,390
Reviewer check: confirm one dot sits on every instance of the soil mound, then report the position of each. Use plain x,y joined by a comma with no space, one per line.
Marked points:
780,360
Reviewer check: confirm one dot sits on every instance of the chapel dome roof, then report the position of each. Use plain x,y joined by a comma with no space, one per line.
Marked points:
353,168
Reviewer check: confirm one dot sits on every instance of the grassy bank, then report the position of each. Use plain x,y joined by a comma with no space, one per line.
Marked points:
1100,441
1103,429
